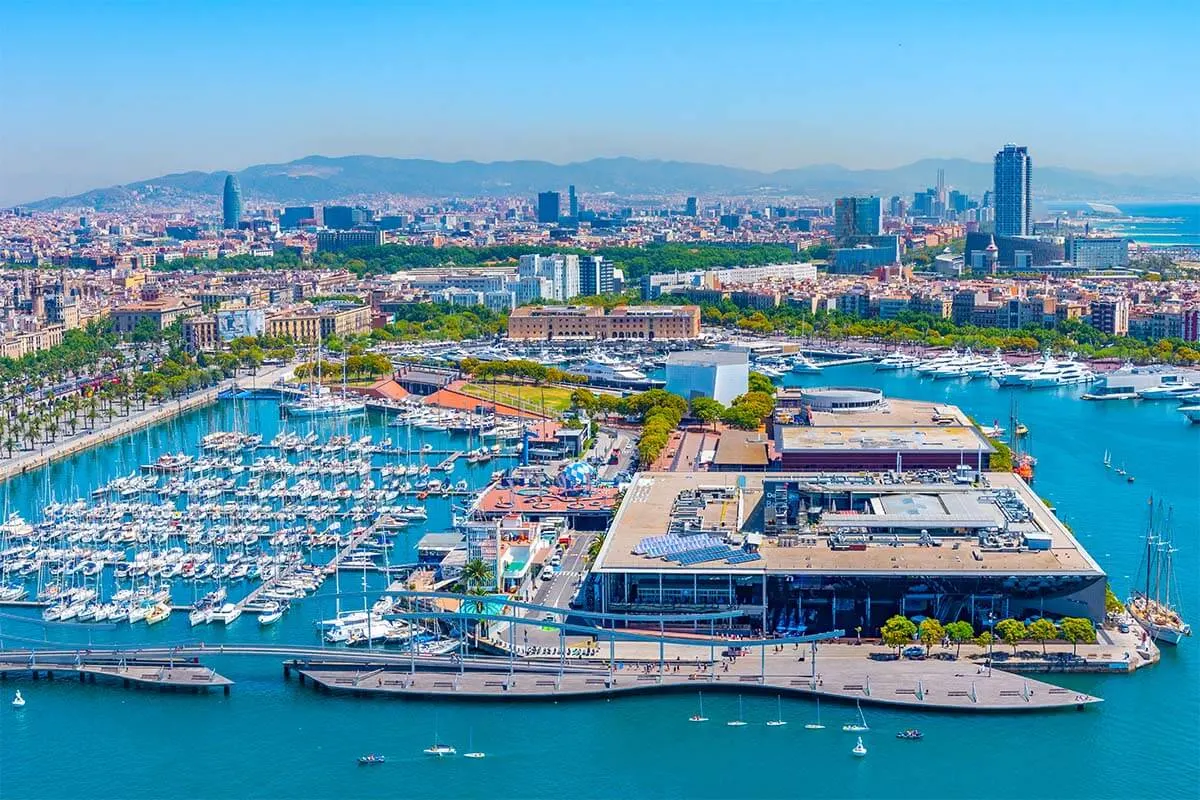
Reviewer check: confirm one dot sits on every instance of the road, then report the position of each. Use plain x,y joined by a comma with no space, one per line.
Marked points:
559,590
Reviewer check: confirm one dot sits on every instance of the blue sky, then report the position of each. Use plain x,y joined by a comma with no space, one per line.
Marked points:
103,93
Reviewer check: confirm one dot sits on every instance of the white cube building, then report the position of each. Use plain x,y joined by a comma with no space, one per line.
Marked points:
719,374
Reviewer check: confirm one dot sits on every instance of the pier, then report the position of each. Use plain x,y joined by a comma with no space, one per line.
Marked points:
158,673
935,686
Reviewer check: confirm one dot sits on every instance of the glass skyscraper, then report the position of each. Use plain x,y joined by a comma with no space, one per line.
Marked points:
231,205
1014,191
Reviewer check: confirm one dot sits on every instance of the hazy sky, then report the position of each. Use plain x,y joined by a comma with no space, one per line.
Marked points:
97,93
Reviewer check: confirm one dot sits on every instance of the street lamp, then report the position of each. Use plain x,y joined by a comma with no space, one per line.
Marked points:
991,617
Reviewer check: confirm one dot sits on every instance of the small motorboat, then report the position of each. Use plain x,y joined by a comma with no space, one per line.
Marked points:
440,750
270,617
859,749
1021,429
912,734
370,759
18,701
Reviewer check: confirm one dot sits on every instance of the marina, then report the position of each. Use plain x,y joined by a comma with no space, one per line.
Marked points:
652,705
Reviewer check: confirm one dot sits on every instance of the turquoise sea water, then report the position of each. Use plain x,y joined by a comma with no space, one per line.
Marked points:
1159,225
275,739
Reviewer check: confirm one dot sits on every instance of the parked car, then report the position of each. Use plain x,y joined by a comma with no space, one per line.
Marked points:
914,652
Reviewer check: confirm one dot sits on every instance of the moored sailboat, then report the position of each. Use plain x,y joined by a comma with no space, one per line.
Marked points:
1152,604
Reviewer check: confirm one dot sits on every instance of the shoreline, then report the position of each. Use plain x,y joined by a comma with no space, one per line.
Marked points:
131,424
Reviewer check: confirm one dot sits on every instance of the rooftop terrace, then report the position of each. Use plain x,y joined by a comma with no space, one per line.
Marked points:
846,524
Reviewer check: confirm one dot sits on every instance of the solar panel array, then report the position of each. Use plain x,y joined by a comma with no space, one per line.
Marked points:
687,550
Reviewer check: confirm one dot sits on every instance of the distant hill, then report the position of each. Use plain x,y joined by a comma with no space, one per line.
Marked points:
318,179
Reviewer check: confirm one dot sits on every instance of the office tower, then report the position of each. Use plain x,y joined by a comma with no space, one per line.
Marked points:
941,187
690,209
572,202
295,216
856,216
548,205
595,276
343,217
1013,191
231,203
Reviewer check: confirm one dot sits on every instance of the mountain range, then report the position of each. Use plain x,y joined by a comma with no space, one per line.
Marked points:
320,179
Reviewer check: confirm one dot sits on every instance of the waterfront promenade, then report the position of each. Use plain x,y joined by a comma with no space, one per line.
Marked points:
22,462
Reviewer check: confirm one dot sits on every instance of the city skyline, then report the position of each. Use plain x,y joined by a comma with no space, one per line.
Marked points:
647,82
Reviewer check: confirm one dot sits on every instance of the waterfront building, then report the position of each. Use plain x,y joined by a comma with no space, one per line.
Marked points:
853,428
824,551
1097,252
161,311
231,203
720,374
1013,184
545,323
1111,316
307,323
857,216
549,205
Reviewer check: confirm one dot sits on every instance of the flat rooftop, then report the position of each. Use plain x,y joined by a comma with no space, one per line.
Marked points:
707,357
953,513
849,436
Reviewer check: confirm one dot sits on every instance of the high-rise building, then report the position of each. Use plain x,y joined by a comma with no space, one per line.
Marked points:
342,217
562,272
295,216
1014,191
572,202
690,208
548,206
231,203
856,216
595,276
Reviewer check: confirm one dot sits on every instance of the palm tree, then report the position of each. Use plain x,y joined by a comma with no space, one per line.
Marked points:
477,574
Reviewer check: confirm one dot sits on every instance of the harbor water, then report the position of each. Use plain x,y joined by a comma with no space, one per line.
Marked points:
271,738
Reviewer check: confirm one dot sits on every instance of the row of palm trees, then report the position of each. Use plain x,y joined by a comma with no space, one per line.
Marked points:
25,426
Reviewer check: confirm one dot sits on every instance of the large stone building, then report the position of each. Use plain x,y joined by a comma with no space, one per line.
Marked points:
590,322
306,324
161,311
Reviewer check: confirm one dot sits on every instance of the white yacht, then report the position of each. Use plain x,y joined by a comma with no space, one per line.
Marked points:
937,362
1015,376
1191,411
601,372
896,361
1059,373
1172,387
804,365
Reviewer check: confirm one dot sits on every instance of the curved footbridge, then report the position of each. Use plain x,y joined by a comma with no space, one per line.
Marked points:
613,660
932,684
